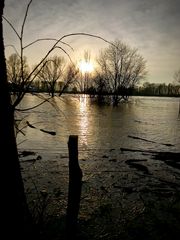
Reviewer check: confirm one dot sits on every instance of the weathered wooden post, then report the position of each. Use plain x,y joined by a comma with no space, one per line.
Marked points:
75,182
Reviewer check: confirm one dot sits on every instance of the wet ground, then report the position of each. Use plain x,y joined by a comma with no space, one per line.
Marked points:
126,193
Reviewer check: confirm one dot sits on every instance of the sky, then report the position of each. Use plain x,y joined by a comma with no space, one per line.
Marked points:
151,26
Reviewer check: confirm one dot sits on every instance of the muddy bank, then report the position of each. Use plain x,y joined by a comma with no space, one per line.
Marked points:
126,193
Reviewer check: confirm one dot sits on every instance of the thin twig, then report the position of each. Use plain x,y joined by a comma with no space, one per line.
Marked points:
25,17
13,28
11,45
85,34
65,53
47,39
27,109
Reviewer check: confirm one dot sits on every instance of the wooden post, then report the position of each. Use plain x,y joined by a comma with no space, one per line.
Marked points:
74,194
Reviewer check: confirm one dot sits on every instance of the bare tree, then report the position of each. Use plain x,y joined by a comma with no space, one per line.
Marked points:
87,58
99,87
84,72
51,71
177,76
177,80
70,78
13,64
122,68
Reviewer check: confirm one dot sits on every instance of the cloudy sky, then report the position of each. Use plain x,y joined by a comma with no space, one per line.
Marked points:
152,26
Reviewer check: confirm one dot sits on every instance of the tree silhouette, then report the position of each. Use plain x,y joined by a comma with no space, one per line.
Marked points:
51,72
121,68
15,216
177,76
13,65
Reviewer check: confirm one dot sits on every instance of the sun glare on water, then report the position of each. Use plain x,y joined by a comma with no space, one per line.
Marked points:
86,67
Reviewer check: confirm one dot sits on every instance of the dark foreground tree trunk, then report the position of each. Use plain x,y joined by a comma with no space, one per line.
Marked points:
13,208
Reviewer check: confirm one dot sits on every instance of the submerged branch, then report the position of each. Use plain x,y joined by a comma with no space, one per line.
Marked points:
49,132
146,140
42,130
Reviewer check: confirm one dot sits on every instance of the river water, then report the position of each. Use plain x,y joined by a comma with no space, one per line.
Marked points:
145,123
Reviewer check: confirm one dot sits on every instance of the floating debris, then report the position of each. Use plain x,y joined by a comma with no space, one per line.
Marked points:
49,132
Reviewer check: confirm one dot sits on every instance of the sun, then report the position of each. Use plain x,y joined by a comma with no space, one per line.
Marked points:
86,67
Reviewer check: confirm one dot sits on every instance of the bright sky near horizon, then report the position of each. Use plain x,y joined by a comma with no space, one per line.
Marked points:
152,26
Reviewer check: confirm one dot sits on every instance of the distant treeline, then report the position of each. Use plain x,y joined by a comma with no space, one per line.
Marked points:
155,89
147,89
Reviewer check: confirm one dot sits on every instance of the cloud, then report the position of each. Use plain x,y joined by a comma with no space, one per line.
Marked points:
151,26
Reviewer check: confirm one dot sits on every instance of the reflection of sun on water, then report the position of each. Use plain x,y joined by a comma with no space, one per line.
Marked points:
83,120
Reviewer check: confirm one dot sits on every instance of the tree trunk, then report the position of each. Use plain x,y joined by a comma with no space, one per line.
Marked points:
14,210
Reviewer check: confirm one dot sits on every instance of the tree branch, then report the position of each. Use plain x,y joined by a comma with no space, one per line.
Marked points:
47,39
13,28
25,17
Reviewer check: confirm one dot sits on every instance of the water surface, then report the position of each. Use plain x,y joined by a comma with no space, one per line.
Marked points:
154,119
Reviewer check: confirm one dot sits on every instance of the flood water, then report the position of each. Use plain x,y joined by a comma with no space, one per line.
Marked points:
145,123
